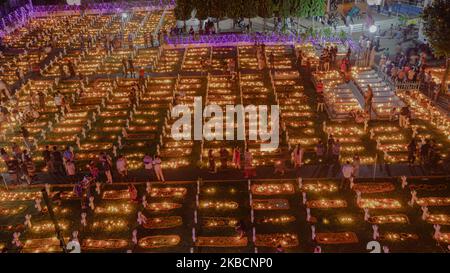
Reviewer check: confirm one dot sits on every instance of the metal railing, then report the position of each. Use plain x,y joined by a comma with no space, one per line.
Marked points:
408,85
397,85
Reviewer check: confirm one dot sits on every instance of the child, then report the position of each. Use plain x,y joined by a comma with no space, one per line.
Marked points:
133,193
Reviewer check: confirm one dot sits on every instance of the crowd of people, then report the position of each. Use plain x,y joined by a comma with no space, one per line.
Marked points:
426,153
327,58
19,164
327,155
207,28
410,67
62,163
404,66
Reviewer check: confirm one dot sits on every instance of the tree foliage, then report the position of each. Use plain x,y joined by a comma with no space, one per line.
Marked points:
219,8
308,8
436,26
249,8
234,9
203,8
265,8
183,9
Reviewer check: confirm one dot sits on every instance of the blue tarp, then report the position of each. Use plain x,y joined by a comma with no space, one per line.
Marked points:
406,9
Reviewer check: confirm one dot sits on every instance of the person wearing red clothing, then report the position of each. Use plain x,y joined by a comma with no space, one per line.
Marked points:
141,77
319,87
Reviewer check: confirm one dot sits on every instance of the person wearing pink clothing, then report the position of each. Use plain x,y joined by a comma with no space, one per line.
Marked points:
237,158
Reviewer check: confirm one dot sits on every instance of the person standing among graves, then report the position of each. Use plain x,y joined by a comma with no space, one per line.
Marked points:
237,158
224,158
368,97
13,169
71,69
106,164
133,193
336,152
19,75
122,166
356,165
141,77
211,161
62,74
57,161
320,152
393,114
17,153
131,67
425,153
28,167
4,154
297,156
130,41
58,101
46,154
347,173
280,163
158,168
319,87
152,42
159,38
84,187
403,118
330,144
64,105
69,161
412,150
241,228
4,113
148,166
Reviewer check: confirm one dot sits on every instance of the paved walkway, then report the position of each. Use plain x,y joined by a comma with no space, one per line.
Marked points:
306,171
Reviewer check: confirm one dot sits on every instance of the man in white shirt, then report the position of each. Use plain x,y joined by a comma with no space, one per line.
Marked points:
347,173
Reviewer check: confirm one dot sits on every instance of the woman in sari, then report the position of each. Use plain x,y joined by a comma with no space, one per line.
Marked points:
237,158
133,193
297,156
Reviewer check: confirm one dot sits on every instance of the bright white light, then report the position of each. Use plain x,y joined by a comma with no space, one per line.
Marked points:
124,15
373,28
74,2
